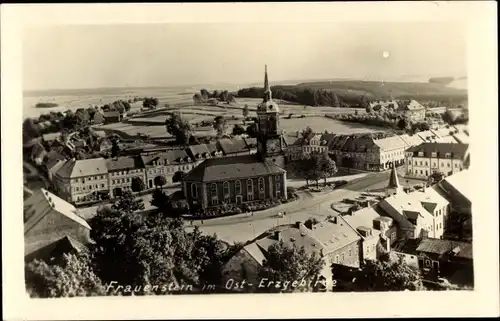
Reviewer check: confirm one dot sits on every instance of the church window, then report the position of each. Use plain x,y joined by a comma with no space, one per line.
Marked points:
249,186
225,187
261,184
194,192
237,187
213,190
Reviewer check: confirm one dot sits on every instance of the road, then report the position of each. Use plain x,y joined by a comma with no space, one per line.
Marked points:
244,227
34,172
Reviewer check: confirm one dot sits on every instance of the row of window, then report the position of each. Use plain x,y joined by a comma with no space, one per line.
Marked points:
78,180
132,171
433,164
171,169
119,181
237,187
434,155
89,187
340,258
392,155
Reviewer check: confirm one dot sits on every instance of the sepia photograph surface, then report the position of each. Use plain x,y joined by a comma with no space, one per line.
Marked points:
227,159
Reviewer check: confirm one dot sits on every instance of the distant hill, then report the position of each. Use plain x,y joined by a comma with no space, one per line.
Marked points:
358,93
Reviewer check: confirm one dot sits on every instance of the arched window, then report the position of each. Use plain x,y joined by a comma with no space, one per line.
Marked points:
213,190
194,191
225,187
261,184
237,187
249,186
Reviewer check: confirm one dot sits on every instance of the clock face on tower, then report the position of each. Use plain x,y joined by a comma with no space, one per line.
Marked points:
273,145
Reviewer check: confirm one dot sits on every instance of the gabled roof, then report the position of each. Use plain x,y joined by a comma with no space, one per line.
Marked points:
124,163
53,158
213,148
232,167
406,206
197,151
461,138
457,151
443,247
41,203
461,182
413,105
233,145
251,142
390,143
413,140
174,156
338,142
430,196
301,237
334,234
83,167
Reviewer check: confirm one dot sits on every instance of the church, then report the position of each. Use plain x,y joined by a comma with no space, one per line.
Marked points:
246,178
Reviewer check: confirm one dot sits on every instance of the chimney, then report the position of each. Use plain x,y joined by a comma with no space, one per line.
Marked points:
277,235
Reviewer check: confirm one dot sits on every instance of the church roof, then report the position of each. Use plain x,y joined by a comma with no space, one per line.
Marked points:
233,167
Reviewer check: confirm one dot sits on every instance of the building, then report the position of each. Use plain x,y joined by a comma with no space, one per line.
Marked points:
121,172
457,190
199,153
251,144
270,142
114,116
437,258
298,147
391,150
234,180
377,231
412,110
243,178
429,136
97,118
393,187
47,220
435,204
166,164
427,158
334,240
51,161
82,181
385,105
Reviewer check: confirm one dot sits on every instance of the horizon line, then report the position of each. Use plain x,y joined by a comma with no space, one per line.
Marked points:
238,84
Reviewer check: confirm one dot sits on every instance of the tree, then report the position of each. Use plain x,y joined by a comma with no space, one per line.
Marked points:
220,125
246,111
238,130
327,166
307,133
179,128
137,184
388,275
403,123
160,181
289,262
204,94
197,98
178,177
252,130
310,222
127,203
71,276
163,202
115,149
147,251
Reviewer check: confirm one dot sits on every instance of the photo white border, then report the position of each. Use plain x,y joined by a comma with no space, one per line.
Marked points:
481,22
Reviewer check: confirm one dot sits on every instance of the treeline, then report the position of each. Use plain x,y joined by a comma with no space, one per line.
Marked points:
204,96
309,96
46,105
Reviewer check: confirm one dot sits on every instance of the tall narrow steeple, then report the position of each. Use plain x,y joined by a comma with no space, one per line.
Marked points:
267,88
393,187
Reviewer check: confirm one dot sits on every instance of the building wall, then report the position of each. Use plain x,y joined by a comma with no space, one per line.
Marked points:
349,255
204,191
82,187
167,171
51,228
123,179
424,166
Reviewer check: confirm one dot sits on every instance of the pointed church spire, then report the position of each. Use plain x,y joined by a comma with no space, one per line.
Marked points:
267,90
393,179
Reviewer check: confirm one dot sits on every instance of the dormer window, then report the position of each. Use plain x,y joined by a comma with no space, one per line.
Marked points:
447,155
433,154
421,154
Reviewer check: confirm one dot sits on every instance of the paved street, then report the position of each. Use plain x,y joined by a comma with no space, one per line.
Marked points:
244,227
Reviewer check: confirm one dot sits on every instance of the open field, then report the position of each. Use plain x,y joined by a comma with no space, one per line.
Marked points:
320,124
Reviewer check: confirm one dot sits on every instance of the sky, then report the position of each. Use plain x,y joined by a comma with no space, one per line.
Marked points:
142,55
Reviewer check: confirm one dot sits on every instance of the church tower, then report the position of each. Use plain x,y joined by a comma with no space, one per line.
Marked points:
270,143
